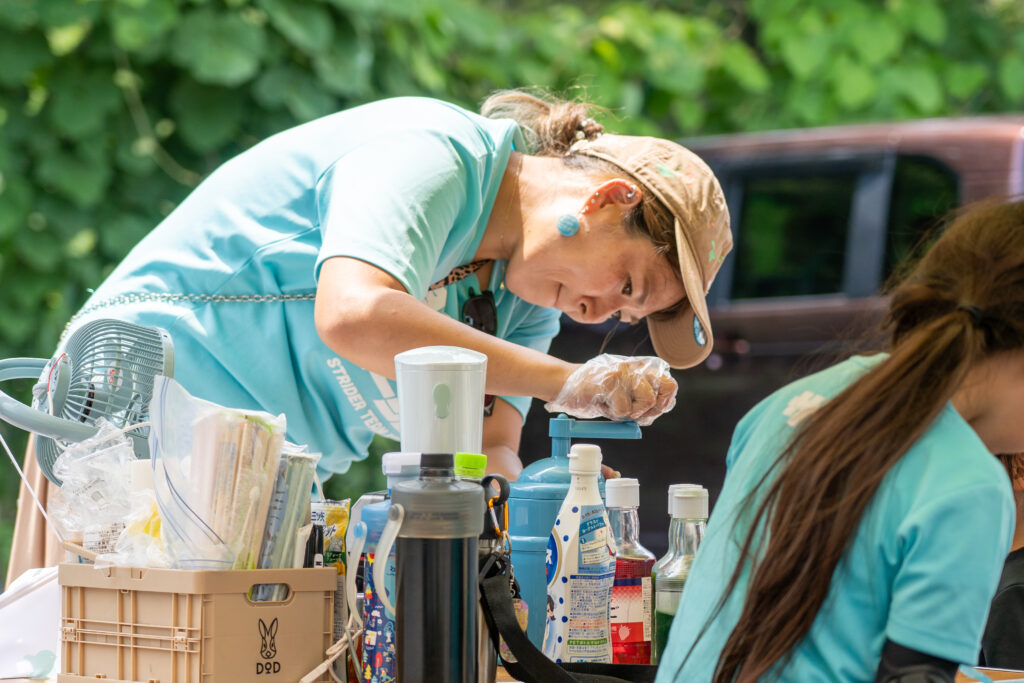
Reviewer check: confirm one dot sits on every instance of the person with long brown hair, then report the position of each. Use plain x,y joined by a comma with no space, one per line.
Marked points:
864,521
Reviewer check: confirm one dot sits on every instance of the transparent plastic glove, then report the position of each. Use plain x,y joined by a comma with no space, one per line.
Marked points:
618,388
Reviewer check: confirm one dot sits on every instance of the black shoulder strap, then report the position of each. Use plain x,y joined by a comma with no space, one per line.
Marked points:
532,666
901,664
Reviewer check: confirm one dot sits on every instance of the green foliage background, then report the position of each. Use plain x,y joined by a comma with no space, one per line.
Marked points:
112,110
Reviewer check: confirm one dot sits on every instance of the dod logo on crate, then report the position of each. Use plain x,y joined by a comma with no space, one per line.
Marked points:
268,648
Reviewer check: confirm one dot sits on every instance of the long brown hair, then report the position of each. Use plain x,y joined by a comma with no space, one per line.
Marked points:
962,302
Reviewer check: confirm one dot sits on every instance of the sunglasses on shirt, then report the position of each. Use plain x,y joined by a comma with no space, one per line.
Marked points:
480,313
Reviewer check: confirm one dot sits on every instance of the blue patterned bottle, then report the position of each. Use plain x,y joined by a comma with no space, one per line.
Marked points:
580,566
378,665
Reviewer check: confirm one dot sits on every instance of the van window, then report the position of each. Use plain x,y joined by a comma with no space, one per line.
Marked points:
792,235
923,191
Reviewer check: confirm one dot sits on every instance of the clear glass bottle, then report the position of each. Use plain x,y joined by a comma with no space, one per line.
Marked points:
667,557
688,505
632,595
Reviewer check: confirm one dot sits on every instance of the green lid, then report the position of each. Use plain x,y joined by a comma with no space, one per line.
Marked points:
470,465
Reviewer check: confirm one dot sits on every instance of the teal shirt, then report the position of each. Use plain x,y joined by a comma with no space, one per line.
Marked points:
920,570
405,184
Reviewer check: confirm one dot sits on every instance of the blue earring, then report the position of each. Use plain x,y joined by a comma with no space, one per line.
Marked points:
568,224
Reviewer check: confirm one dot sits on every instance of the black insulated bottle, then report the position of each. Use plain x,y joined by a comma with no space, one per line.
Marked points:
436,579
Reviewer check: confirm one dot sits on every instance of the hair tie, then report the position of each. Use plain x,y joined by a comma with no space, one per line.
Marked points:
977,316
581,130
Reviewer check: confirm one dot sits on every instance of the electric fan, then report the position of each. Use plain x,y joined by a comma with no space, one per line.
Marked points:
105,370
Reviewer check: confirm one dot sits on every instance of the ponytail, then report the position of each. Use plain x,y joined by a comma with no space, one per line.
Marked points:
550,125
963,302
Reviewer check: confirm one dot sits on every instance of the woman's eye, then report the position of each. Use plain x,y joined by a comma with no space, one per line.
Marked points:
627,289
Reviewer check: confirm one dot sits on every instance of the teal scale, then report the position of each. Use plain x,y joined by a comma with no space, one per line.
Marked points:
534,503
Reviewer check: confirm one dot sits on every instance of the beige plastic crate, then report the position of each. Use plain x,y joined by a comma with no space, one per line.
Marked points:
124,624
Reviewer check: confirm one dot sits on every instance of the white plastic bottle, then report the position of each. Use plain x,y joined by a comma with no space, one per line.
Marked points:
580,568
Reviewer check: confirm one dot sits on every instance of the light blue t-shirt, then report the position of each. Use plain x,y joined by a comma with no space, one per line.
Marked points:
405,184
920,570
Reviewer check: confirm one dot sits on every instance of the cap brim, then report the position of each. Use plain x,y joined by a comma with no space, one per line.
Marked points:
685,339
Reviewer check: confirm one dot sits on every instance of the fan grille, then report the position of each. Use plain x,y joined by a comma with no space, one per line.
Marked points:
112,369
112,366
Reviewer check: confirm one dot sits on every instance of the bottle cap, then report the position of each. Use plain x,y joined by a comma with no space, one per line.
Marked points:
398,463
429,359
470,465
690,502
673,487
436,461
585,458
622,493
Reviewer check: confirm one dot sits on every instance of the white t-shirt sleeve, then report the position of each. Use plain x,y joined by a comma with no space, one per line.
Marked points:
392,202
953,550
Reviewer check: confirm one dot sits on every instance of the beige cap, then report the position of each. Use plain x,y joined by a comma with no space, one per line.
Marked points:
689,190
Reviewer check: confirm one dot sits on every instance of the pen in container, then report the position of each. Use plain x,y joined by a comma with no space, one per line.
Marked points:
315,547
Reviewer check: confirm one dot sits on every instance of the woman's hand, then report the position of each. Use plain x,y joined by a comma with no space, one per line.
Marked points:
619,388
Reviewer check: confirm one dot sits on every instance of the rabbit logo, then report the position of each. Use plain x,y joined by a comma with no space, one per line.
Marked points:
267,634
268,648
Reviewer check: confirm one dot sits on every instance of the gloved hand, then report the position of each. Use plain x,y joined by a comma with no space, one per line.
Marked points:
619,388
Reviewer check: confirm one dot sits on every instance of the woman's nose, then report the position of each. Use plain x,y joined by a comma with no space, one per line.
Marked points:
593,310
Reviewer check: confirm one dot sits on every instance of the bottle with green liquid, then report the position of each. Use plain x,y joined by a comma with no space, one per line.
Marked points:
688,507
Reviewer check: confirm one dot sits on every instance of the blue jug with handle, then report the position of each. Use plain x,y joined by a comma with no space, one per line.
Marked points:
534,502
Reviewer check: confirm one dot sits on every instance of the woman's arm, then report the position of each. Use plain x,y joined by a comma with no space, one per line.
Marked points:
502,431
365,315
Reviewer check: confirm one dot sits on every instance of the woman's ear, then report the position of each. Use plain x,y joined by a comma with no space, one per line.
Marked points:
624,193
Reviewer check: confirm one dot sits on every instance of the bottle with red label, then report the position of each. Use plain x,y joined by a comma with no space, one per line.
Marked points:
632,597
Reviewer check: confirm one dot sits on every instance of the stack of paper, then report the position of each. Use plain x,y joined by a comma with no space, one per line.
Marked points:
234,466
289,509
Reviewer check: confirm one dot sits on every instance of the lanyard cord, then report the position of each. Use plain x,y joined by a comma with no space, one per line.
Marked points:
457,273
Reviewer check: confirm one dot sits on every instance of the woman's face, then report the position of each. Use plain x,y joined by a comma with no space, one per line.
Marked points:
991,399
595,273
